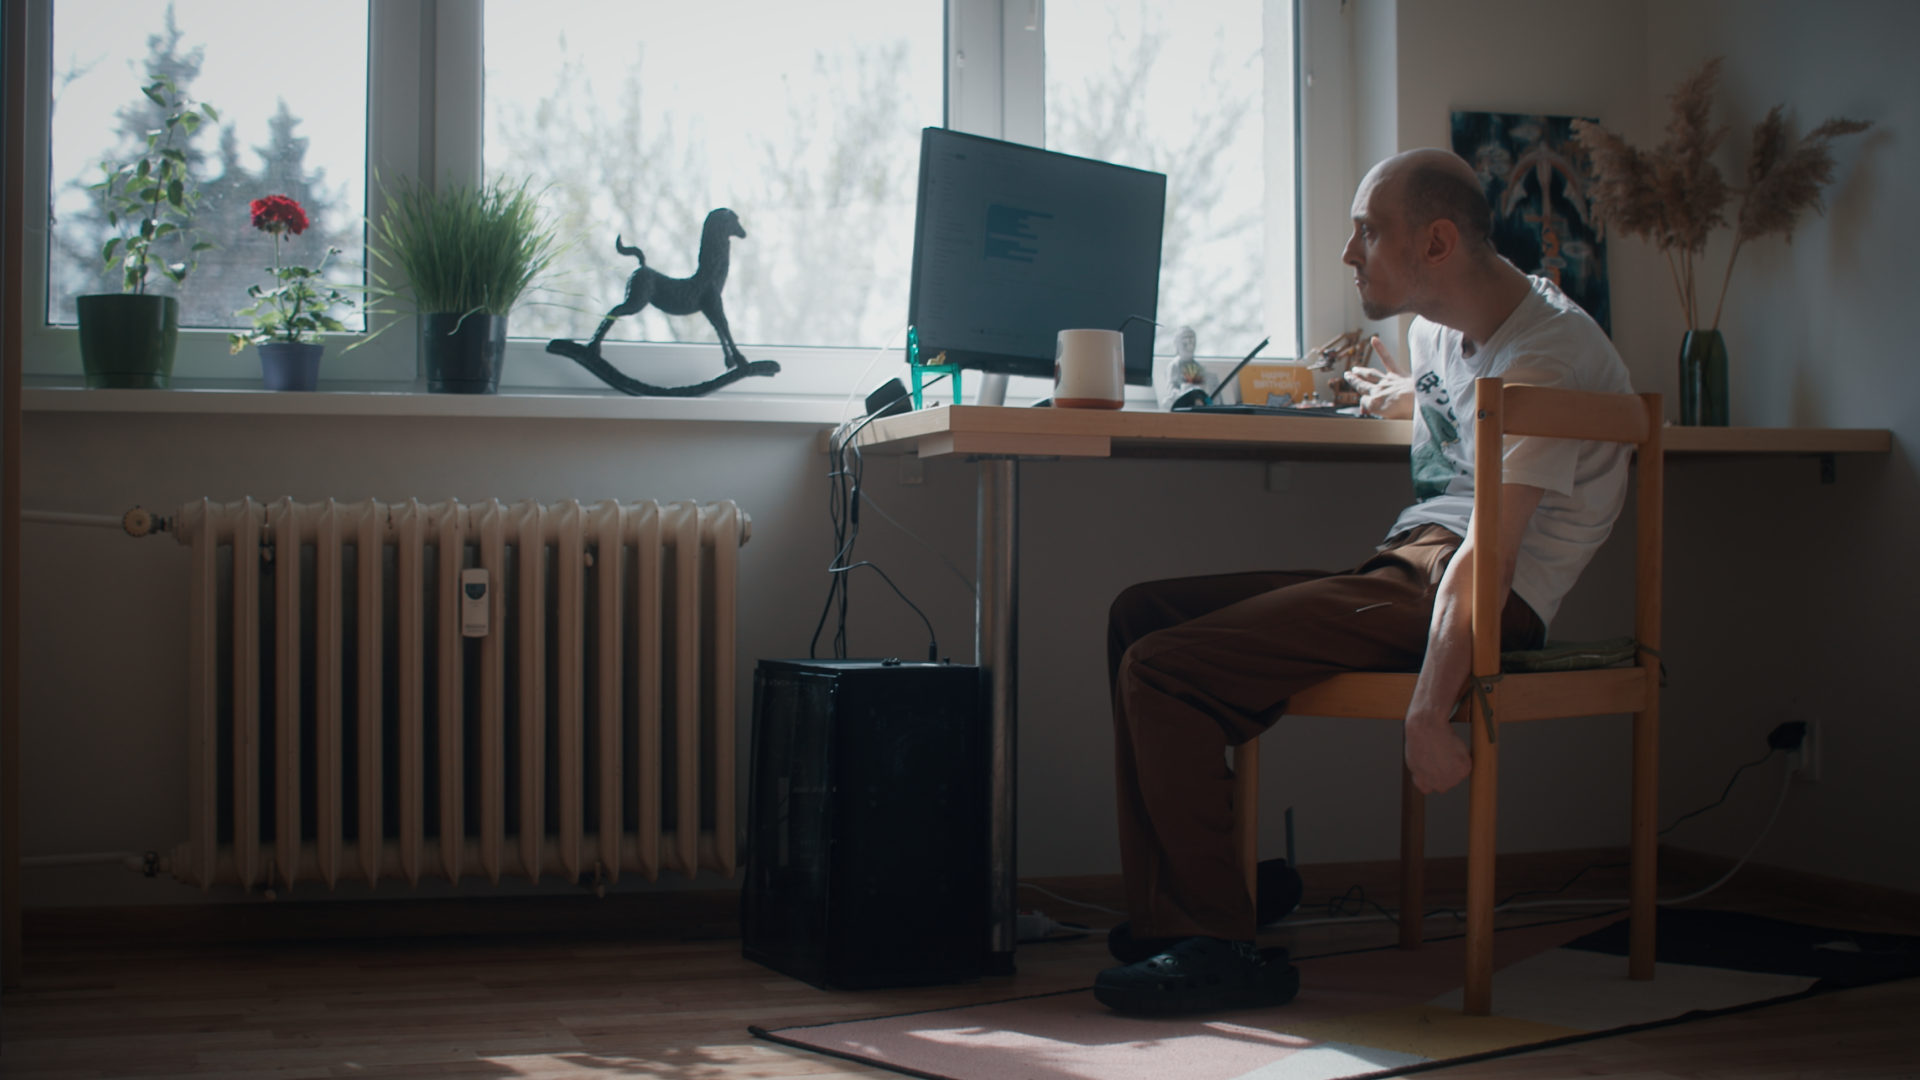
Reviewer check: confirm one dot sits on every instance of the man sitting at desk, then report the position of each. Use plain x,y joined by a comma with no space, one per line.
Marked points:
1199,664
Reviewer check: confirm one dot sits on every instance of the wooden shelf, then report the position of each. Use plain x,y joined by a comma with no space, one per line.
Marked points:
1092,433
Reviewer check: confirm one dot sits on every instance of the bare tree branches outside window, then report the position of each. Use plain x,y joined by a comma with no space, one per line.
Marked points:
1177,92
807,127
100,114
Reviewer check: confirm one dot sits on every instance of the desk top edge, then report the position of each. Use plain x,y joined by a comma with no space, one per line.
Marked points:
1143,430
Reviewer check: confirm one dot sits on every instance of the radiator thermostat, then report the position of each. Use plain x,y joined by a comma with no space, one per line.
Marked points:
473,603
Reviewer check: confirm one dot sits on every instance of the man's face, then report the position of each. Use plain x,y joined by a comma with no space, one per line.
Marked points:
1380,250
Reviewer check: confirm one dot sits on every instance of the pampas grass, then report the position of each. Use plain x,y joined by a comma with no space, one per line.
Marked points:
1675,197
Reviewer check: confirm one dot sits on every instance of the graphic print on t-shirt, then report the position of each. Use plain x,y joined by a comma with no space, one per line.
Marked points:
1433,471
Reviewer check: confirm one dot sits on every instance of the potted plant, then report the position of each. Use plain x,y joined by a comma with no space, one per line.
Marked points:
467,254
289,317
127,338
1674,195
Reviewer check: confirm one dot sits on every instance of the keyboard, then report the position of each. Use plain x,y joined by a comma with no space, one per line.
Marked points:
1351,412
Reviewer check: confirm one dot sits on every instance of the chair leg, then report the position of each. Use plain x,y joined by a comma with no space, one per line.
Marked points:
1644,860
1246,810
1482,803
1413,860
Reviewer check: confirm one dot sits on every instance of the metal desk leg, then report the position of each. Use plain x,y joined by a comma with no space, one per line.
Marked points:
996,651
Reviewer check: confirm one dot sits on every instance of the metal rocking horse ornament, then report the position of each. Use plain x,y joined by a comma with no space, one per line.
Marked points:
675,296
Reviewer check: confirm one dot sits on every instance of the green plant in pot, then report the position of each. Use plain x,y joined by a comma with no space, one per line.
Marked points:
466,254
289,317
127,339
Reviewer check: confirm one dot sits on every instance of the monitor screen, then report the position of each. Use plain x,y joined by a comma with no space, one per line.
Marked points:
1013,244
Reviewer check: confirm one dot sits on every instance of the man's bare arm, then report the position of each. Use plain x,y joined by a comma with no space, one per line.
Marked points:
1437,757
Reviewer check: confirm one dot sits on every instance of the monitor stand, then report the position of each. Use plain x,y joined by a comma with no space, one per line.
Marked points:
993,390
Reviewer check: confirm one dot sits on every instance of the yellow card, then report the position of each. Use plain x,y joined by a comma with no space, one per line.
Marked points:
1261,382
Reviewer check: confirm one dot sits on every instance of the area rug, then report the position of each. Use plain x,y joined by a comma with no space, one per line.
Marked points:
1383,1012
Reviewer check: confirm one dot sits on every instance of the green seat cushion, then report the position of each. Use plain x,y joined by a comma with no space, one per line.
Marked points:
1570,656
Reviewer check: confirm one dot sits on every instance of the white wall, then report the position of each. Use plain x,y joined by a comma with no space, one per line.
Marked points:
1797,598
1786,597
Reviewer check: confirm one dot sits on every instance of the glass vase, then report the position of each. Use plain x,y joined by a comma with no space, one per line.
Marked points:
1703,379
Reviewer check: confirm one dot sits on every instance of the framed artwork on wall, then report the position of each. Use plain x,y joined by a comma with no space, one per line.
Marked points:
1537,178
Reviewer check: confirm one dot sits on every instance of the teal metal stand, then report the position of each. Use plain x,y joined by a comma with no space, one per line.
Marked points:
920,371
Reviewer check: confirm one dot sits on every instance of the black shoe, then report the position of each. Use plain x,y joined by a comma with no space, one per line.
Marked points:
1124,947
1200,974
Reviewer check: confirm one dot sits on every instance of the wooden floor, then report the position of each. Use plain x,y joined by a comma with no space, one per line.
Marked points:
675,1002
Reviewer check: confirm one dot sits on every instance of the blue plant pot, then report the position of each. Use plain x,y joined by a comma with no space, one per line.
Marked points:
288,366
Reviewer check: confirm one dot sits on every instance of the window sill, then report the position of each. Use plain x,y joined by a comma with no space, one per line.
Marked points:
739,408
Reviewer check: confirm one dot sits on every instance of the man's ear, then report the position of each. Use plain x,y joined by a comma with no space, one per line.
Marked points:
1440,240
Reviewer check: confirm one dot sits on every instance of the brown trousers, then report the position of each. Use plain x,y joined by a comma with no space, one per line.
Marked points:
1200,664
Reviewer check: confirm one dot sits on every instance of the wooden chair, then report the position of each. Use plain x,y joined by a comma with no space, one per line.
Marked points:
1516,410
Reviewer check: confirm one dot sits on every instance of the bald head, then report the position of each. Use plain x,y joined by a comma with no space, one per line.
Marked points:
1430,185
1420,245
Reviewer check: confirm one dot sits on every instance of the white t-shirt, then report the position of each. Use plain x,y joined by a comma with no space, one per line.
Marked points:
1547,341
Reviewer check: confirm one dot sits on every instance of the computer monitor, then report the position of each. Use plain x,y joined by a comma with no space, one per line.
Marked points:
1013,244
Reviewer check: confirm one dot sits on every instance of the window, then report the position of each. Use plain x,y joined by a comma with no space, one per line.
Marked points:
1180,92
638,119
291,121
643,116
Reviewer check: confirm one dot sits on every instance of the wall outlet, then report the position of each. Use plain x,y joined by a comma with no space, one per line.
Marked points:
1805,762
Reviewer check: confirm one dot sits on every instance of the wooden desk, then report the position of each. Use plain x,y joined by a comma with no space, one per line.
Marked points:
975,429
997,438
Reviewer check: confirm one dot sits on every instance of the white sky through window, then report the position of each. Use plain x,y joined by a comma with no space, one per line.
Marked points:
639,117
1176,89
254,56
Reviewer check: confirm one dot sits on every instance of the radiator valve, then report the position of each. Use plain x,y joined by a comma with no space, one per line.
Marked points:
140,521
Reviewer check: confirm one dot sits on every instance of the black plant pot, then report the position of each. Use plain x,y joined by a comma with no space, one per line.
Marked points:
463,356
127,340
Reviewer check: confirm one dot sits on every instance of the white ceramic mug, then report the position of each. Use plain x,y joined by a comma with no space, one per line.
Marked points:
1090,369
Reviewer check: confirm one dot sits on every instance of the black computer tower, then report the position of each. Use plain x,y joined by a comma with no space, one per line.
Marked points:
867,823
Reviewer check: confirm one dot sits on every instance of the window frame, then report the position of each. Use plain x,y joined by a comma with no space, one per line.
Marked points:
425,98
203,359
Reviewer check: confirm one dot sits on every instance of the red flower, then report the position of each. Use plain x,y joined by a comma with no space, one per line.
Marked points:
278,214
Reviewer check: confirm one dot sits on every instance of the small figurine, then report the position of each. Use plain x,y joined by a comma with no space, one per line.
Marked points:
1182,373
675,296
1347,351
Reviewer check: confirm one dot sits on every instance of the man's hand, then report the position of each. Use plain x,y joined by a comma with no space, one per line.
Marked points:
1437,757
1383,393
1386,393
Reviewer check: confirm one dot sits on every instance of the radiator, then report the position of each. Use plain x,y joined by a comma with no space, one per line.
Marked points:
341,726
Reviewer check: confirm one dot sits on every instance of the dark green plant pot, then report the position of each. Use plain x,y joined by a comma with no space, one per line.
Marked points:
127,340
463,356
1703,379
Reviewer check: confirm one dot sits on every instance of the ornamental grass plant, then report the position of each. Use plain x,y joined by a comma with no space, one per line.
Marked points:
1675,196
464,250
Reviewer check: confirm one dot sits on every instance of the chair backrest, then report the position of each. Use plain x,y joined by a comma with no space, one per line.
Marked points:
1502,410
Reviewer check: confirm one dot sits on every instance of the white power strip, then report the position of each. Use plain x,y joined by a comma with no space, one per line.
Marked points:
1032,925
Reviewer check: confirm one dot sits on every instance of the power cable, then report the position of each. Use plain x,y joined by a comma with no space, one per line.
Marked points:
844,496
1723,795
